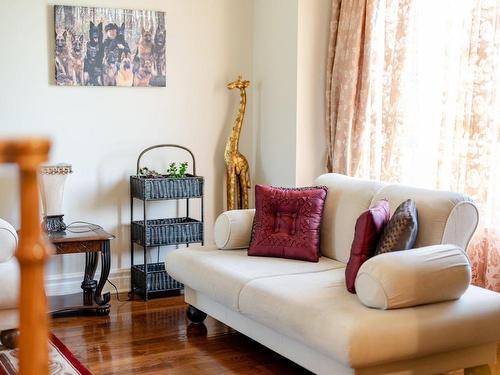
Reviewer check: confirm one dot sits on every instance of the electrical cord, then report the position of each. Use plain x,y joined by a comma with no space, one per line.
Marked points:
116,291
92,227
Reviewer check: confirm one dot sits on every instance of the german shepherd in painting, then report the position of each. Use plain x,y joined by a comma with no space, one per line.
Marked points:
125,75
94,56
145,73
75,68
121,42
146,45
159,50
62,58
111,62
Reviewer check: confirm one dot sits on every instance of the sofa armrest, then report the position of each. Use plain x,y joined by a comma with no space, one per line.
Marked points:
233,229
413,277
8,241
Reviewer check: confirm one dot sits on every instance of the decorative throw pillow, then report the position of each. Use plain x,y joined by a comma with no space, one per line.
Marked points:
401,231
287,222
369,227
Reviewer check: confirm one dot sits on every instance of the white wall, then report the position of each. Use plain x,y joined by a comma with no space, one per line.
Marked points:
101,130
290,51
275,91
312,51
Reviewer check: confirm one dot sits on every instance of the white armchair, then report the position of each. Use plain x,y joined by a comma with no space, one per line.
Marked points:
9,284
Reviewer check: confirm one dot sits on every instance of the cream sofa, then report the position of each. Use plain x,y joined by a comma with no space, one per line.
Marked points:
303,311
9,278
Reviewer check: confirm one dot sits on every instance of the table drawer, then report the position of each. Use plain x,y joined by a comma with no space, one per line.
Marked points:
77,247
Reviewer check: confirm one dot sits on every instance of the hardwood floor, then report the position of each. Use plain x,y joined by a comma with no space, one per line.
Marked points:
155,338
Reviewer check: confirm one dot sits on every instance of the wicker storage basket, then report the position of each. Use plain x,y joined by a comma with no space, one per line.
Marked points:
160,232
155,188
157,278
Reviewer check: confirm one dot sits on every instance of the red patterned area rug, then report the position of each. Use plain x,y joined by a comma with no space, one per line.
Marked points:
61,360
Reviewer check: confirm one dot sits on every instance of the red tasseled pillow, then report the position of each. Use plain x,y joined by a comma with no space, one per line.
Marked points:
287,222
369,227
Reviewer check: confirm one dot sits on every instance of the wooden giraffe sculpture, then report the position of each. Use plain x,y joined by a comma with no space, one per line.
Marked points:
238,173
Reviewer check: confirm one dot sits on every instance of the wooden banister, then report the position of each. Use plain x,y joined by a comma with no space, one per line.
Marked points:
32,253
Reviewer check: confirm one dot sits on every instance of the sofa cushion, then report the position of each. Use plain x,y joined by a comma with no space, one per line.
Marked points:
8,241
222,274
409,278
9,319
287,222
317,310
10,282
233,229
347,198
369,227
401,231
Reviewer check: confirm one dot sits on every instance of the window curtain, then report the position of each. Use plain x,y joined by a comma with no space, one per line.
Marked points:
413,97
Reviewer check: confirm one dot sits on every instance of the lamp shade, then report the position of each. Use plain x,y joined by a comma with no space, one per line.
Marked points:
52,180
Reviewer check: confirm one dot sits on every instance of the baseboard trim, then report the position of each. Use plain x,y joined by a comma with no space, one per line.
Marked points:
70,283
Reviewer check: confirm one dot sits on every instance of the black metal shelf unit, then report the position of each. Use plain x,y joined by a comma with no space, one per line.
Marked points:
151,279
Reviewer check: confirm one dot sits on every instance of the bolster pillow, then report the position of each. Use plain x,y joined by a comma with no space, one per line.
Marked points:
413,277
8,241
233,229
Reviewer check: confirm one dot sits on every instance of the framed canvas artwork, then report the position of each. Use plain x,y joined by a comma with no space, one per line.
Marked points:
109,47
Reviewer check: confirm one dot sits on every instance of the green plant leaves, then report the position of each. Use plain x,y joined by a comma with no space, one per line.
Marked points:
177,172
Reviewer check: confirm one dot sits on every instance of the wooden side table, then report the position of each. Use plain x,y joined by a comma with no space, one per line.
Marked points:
91,241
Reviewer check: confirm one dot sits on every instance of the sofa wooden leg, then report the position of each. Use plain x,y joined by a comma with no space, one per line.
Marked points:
194,315
478,370
9,338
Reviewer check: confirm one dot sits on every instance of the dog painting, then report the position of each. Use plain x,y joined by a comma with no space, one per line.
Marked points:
109,47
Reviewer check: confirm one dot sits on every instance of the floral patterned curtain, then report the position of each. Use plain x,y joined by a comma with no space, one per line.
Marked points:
413,96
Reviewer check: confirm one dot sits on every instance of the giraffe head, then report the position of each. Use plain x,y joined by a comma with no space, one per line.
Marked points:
238,84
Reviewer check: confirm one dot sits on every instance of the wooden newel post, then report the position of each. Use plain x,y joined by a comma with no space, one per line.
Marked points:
31,254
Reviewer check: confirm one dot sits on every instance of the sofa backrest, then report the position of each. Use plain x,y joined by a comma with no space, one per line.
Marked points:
443,216
347,198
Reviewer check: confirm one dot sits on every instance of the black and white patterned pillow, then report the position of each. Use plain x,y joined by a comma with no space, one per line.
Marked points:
401,231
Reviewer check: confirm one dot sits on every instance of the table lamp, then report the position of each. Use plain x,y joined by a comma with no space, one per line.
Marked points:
52,179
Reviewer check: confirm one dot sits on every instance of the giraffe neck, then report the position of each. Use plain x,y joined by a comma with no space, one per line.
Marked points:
234,139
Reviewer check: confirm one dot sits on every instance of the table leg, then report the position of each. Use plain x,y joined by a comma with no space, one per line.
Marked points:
105,266
89,284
